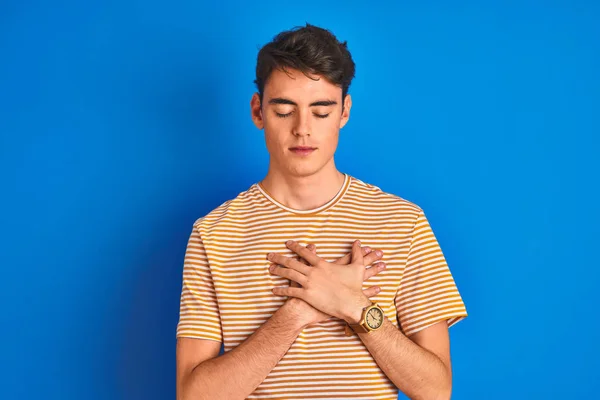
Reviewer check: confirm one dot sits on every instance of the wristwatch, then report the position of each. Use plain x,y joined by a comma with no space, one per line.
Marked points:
371,320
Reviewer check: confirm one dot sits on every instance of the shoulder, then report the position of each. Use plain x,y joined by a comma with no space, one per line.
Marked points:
231,211
370,195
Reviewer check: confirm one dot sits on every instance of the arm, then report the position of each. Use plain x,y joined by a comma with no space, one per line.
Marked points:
420,365
235,374
417,358
203,375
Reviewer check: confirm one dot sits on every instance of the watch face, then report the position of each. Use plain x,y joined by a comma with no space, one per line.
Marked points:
374,318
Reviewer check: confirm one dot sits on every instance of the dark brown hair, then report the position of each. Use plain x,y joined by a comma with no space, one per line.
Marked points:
310,49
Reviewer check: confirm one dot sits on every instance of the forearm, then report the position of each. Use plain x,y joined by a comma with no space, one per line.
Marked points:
414,370
236,374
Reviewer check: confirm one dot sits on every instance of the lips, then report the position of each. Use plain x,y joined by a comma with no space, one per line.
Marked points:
302,150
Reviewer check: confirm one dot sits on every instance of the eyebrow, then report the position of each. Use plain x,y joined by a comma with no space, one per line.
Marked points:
281,100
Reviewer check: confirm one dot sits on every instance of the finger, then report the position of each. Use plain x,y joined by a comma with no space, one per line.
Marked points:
374,270
372,257
357,257
289,291
310,247
372,291
288,262
303,252
288,273
345,260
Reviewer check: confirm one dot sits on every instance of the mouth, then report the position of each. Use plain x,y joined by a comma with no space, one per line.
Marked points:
302,150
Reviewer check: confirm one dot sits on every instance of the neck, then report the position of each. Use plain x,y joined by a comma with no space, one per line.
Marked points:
303,192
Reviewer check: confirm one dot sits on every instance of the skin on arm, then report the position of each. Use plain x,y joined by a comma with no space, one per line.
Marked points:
418,365
235,374
202,374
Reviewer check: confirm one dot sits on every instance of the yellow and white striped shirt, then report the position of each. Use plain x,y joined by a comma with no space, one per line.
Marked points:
227,287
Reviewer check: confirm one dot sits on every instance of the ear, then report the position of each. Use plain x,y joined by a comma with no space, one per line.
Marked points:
346,113
256,111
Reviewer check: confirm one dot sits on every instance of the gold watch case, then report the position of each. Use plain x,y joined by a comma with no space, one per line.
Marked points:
372,319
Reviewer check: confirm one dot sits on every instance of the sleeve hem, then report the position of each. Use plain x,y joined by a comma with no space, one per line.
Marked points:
451,320
192,336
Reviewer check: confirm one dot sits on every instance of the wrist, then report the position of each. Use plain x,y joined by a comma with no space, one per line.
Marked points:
353,313
292,314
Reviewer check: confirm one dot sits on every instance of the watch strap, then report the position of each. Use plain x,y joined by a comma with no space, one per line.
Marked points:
359,328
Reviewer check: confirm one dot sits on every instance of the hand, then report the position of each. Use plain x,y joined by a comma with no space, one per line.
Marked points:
310,315
332,288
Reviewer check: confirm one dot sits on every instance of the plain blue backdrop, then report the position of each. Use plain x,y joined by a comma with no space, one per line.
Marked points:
122,122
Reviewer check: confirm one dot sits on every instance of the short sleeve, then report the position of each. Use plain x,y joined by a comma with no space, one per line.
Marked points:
427,293
198,311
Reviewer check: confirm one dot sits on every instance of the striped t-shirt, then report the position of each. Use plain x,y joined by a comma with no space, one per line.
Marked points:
227,288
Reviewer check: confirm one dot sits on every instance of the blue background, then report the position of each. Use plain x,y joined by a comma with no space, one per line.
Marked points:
123,122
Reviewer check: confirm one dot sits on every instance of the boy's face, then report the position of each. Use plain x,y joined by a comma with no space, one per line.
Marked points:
301,118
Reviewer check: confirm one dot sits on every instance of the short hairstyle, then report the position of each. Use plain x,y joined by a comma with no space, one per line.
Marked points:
310,49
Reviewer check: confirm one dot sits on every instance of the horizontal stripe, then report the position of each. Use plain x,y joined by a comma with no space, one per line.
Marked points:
227,288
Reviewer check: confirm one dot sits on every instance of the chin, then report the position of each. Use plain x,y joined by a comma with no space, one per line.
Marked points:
301,171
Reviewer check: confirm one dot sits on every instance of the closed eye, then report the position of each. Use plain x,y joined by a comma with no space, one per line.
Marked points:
290,113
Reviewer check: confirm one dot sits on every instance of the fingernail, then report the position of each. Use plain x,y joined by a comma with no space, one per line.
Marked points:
368,250
377,290
381,267
269,256
379,253
358,242
289,242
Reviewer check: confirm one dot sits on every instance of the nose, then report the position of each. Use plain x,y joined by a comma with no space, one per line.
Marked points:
302,124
